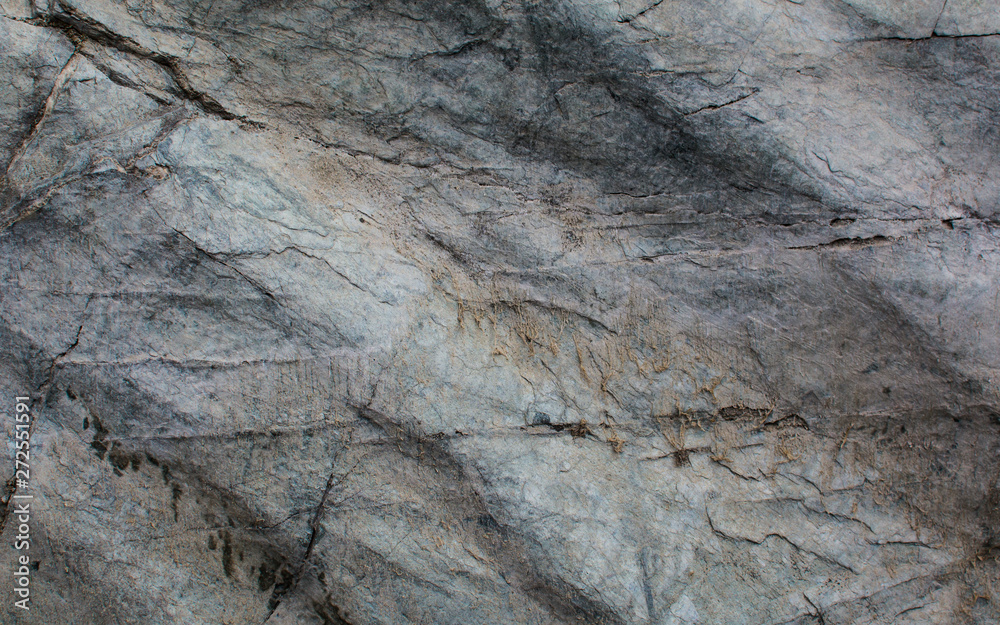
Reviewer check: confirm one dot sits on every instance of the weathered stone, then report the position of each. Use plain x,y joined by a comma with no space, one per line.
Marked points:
494,312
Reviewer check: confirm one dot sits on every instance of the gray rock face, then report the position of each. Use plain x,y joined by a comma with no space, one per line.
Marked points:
503,312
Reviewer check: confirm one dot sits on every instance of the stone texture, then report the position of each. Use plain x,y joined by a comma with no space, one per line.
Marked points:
496,312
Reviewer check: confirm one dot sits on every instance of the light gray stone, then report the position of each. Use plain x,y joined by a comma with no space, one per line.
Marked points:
495,312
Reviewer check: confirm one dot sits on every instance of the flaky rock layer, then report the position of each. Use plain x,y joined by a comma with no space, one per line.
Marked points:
494,312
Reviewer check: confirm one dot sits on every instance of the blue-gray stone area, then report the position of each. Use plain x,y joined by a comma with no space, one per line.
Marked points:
491,312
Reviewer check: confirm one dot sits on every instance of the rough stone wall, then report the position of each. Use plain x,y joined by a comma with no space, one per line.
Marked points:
575,311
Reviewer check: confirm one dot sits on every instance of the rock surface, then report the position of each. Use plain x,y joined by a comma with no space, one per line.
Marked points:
477,312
